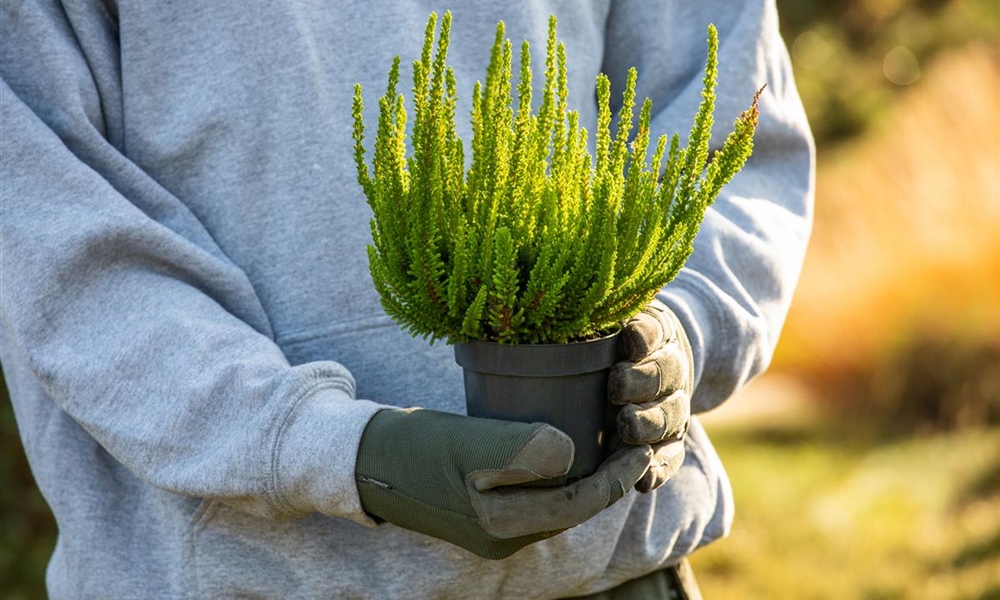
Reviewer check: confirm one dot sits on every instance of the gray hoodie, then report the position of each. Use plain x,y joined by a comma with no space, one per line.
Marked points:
189,332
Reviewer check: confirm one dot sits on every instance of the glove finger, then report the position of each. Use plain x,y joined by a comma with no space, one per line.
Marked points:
667,460
548,453
646,332
652,422
663,372
621,471
510,512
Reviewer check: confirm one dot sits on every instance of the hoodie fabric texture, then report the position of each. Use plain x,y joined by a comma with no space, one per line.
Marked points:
190,335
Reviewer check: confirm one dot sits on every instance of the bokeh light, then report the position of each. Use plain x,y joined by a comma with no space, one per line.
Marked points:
901,66
811,50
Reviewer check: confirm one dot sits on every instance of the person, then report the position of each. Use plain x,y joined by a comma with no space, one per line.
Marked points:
206,386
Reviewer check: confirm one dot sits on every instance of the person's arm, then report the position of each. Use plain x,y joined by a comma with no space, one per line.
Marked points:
734,292
131,317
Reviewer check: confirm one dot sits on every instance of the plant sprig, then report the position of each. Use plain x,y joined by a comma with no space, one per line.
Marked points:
536,242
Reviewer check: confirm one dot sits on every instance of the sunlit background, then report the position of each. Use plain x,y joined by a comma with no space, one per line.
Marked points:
866,462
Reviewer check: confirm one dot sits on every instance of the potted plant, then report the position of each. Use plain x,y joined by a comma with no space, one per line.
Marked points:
531,258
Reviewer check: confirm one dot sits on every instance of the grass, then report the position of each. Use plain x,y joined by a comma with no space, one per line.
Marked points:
836,510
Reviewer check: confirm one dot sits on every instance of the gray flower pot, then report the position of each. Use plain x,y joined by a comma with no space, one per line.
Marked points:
564,385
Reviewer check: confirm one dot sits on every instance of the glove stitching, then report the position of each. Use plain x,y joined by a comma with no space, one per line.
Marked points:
607,489
665,424
375,482
398,493
659,379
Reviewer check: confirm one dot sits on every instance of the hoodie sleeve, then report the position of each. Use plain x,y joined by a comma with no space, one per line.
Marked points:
126,311
734,292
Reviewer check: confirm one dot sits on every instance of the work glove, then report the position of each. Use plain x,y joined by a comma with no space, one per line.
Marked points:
462,479
653,386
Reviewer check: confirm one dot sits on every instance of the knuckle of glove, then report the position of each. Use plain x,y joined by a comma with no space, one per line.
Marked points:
630,382
667,460
641,336
661,373
647,331
654,421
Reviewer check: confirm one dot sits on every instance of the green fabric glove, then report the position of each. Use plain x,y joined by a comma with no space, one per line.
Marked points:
458,479
654,387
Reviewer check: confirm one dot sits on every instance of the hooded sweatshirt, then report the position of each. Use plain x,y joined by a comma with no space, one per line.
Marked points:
188,329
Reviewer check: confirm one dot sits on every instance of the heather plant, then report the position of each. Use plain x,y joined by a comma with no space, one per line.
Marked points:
537,241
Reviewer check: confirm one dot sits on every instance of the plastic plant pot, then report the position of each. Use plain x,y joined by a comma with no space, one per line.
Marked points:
564,385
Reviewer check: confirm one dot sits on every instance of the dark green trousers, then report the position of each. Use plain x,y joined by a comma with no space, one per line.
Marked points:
673,583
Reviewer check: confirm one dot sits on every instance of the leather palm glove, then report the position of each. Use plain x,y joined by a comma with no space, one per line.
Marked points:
654,387
460,479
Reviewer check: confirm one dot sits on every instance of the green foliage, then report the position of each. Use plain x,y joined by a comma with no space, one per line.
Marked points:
536,242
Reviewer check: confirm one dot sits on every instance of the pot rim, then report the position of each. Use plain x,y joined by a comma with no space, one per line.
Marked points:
538,360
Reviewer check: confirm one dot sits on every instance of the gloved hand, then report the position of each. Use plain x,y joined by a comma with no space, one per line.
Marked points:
654,387
457,478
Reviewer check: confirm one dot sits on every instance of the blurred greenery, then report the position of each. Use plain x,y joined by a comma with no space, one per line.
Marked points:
897,313
885,483
852,57
27,530
848,512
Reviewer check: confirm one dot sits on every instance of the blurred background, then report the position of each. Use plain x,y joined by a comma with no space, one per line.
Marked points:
866,462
